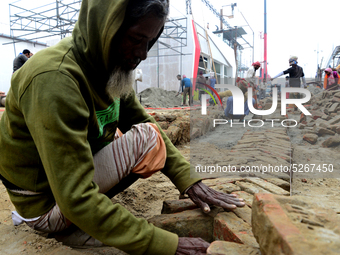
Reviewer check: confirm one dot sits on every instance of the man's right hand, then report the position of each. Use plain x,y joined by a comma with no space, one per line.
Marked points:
192,246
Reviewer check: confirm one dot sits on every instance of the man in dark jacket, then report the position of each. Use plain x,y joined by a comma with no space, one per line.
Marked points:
21,59
74,134
295,74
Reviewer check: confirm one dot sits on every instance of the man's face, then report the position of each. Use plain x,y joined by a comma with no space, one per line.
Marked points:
27,55
135,41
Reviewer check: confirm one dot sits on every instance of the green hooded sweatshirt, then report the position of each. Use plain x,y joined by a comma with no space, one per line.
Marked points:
57,116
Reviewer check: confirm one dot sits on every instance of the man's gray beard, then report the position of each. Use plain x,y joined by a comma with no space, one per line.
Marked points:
120,83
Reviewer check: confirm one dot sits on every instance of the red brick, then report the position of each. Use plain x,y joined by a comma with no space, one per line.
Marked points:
273,230
228,227
244,213
191,223
175,206
248,198
251,188
222,247
268,186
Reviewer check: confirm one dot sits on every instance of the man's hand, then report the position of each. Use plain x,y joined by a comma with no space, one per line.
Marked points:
191,246
203,196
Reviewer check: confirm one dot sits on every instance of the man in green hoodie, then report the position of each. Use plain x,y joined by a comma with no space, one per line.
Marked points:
74,134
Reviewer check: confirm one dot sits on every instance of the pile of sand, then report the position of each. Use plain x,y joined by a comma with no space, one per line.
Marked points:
159,98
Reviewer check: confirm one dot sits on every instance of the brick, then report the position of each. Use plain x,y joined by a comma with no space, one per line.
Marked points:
324,131
276,181
294,225
163,124
272,227
334,127
301,126
223,247
311,138
332,141
268,186
192,223
335,100
316,114
283,176
244,213
174,206
159,117
228,227
334,120
248,198
226,188
333,107
324,125
217,181
251,188
173,133
170,117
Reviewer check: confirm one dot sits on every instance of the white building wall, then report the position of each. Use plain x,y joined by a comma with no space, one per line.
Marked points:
162,66
7,57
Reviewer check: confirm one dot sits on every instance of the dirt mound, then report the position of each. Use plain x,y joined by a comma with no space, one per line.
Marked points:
159,98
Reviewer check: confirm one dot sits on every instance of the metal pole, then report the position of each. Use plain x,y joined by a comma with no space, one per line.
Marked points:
12,33
253,46
251,30
158,63
221,23
235,52
265,40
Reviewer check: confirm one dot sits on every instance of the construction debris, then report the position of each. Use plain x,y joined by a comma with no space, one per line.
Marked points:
159,98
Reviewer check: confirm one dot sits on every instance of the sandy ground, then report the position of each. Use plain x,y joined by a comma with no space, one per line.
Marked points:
145,197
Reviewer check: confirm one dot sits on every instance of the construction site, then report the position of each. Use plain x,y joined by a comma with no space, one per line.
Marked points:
284,165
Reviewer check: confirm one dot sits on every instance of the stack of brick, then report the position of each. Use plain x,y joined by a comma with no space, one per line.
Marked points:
256,153
230,232
182,125
324,121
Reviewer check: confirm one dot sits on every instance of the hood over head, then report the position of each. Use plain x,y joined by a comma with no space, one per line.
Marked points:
95,34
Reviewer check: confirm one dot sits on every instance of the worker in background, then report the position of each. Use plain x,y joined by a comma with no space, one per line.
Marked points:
295,74
338,69
331,80
229,111
212,80
251,79
200,84
74,135
180,89
2,98
187,90
21,59
287,86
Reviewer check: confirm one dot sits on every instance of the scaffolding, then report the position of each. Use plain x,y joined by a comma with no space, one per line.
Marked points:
334,59
54,19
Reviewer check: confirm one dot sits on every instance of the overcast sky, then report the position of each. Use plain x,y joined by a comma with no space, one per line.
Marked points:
294,27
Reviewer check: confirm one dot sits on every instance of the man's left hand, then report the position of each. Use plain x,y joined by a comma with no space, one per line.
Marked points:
203,196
